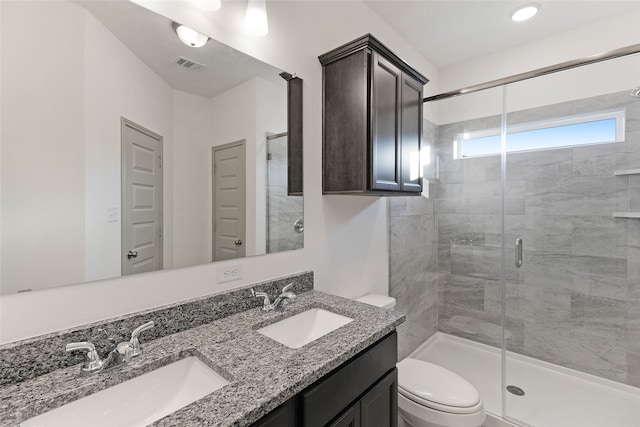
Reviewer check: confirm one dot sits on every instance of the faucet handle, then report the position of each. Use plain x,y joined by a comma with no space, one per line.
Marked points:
136,348
266,302
93,361
287,287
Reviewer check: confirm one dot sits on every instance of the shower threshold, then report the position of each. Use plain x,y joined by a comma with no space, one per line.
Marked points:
554,396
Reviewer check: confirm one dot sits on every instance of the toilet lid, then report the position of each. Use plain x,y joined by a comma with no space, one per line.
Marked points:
436,387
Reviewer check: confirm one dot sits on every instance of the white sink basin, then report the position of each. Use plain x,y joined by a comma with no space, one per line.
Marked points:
303,328
139,401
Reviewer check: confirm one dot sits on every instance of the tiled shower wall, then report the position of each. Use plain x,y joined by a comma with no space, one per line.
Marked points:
413,242
283,210
576,300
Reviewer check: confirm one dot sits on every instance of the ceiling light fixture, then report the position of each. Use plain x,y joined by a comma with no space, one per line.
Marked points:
190,37
524,12
255,21
208,5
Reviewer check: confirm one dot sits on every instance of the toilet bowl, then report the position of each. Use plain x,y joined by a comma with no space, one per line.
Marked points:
432,396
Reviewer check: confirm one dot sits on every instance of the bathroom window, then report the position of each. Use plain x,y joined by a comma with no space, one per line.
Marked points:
598,128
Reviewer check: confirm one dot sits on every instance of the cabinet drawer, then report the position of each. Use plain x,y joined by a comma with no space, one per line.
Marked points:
326,399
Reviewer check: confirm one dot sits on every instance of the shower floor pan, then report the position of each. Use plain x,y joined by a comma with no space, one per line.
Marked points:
553,396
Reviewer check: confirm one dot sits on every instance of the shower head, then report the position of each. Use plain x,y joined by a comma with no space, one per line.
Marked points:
635,92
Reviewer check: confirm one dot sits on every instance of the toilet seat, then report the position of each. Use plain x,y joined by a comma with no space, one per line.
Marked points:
438,388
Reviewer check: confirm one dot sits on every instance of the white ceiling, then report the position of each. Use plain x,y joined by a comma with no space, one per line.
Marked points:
152,39
448,32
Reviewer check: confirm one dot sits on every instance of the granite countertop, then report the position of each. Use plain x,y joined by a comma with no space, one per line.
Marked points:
263,373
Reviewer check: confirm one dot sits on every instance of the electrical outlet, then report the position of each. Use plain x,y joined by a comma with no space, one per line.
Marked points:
229,273
113,214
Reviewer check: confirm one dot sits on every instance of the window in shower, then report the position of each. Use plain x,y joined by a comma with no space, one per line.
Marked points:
598,128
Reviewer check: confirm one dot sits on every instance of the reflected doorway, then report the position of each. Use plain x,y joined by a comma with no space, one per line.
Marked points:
229,200
141,199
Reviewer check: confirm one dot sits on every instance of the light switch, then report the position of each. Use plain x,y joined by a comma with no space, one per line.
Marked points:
113,214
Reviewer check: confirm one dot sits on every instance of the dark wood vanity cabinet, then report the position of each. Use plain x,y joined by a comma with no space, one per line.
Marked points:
372,121
360,393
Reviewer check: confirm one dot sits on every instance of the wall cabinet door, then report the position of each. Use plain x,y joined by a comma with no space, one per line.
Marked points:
411,134
386,107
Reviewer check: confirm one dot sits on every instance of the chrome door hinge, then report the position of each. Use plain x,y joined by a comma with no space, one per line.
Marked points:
160,160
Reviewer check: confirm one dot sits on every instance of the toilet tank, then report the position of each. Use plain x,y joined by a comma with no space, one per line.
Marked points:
378,300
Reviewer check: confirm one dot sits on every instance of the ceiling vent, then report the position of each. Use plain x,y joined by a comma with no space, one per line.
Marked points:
189,64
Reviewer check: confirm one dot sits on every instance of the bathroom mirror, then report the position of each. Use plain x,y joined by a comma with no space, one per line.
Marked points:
123,150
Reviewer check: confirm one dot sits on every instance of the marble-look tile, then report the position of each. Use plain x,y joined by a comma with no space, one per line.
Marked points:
464,292
628,152
540,233
572,196
597,276
601,236
419,326
591,346
278,148
595,160
483,262
632,323
633,369
411,232
408,206
278,173
542,165
481,326
634,193
527,303
280,201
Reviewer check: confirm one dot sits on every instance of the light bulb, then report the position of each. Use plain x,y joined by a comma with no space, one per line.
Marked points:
255,21
524,12
191,37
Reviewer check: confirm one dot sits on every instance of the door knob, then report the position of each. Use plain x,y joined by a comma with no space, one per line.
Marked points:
238,242
132,254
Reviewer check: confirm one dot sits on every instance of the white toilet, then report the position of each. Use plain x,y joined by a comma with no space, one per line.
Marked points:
430,395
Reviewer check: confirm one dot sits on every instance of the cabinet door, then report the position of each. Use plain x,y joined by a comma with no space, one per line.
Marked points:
283,416
351,418
385,125
379,407
411,134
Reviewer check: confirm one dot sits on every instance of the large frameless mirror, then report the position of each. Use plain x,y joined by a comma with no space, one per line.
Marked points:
124,150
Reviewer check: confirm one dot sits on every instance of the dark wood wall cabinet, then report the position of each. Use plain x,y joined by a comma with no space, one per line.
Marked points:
363,392
372,121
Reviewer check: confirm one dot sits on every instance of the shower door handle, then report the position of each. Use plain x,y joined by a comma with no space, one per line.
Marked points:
518,253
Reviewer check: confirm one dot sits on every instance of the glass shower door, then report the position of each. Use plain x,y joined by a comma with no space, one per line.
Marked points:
571,299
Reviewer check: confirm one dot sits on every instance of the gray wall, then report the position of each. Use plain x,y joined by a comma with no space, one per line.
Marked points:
413,244
576,301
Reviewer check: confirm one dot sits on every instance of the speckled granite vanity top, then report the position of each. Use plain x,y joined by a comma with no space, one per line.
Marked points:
263,373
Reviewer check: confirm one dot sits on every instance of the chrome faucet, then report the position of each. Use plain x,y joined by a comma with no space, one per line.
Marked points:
282,300
122,353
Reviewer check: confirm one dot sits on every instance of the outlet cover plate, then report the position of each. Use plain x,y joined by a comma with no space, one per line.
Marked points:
229,273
